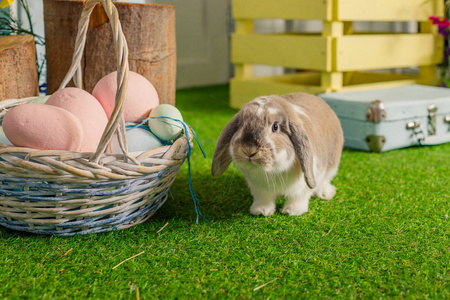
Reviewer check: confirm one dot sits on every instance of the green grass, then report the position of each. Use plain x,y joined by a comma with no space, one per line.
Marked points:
386,234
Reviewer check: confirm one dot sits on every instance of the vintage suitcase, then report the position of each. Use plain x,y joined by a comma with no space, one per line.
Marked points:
392,118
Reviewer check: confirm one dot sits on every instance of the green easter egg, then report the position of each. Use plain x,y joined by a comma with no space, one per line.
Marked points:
41,99
166,129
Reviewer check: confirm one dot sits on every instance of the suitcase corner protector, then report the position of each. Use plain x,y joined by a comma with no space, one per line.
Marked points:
376,142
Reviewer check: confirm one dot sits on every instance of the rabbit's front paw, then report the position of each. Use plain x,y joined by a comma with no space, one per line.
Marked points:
326,191
267,209
295,209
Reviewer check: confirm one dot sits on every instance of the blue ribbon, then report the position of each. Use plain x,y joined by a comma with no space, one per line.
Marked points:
184,127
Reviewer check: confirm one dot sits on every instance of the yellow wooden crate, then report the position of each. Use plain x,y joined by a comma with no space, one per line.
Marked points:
243,90
343,10
337,52
344,53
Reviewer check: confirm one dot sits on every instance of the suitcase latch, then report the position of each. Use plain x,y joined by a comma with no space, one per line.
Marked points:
447,119
432,109
417,129
376,112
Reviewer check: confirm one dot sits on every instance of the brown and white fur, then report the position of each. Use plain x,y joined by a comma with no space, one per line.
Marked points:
286,145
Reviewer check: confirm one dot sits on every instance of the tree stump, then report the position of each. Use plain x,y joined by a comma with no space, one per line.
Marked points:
18,70
148,28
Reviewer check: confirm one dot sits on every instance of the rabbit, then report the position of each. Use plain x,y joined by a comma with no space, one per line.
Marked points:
287,145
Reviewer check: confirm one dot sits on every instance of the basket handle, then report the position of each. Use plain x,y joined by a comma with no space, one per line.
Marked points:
116,121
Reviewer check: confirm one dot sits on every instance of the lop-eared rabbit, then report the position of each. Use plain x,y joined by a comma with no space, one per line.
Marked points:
287,145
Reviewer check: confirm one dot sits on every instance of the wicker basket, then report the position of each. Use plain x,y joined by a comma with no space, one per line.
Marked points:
68,193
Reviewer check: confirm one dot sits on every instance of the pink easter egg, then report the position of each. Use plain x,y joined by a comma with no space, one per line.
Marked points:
87,109
141,95
43,127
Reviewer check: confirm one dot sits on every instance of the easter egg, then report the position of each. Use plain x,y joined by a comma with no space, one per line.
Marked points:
141,96
87,109
42,126
138,140
165,129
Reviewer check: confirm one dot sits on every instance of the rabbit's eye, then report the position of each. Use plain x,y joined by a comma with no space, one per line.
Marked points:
275,127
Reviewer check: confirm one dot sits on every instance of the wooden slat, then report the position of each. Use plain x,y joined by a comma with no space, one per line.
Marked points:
382,51
378,85
244,90
282,9
338,10
286,50
243,70
374,77
387,10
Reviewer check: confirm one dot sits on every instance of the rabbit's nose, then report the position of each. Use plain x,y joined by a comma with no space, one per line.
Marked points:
250,152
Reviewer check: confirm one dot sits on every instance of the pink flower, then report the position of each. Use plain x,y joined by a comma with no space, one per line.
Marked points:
440,21
434,19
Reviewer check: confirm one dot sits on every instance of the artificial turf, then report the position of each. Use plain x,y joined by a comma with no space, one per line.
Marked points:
386,234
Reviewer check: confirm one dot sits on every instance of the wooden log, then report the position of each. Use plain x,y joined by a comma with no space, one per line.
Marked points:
18,70
148,28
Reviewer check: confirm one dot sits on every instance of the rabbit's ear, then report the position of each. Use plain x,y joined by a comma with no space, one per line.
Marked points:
222,157
303,150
